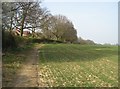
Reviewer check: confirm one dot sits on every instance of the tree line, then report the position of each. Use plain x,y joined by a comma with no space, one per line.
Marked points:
38,20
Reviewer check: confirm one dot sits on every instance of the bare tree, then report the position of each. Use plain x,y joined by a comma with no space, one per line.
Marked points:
62,29
8,12
22,15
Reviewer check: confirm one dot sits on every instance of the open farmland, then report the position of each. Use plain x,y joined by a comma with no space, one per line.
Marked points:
73,65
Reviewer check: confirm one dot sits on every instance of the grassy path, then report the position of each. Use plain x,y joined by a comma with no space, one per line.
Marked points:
27,74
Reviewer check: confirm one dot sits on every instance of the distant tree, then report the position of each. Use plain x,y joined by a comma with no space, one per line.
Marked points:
82,41
90,42
62,29
107,44
46,25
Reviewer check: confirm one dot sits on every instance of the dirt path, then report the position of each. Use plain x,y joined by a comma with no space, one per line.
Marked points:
27,76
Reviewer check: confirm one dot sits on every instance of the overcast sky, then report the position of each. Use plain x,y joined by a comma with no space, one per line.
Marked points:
96,20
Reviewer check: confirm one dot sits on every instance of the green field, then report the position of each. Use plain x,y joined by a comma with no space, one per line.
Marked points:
74,65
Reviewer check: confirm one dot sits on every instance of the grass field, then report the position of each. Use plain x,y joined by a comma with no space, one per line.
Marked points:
73,65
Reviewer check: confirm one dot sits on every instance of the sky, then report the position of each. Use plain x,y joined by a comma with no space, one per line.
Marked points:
96,20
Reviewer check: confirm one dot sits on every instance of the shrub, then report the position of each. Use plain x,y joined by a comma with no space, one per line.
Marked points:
45,41
8,40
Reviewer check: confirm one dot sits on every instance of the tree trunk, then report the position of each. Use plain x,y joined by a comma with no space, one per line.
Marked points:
33,32
23,19
11,18
22,25
11,24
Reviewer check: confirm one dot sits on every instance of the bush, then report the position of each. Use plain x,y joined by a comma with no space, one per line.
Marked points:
8,40
45,41
20,41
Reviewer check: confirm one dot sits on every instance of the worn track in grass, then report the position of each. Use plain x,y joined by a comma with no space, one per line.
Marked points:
27,76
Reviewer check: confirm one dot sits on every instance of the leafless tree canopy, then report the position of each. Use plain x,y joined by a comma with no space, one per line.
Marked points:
31,16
